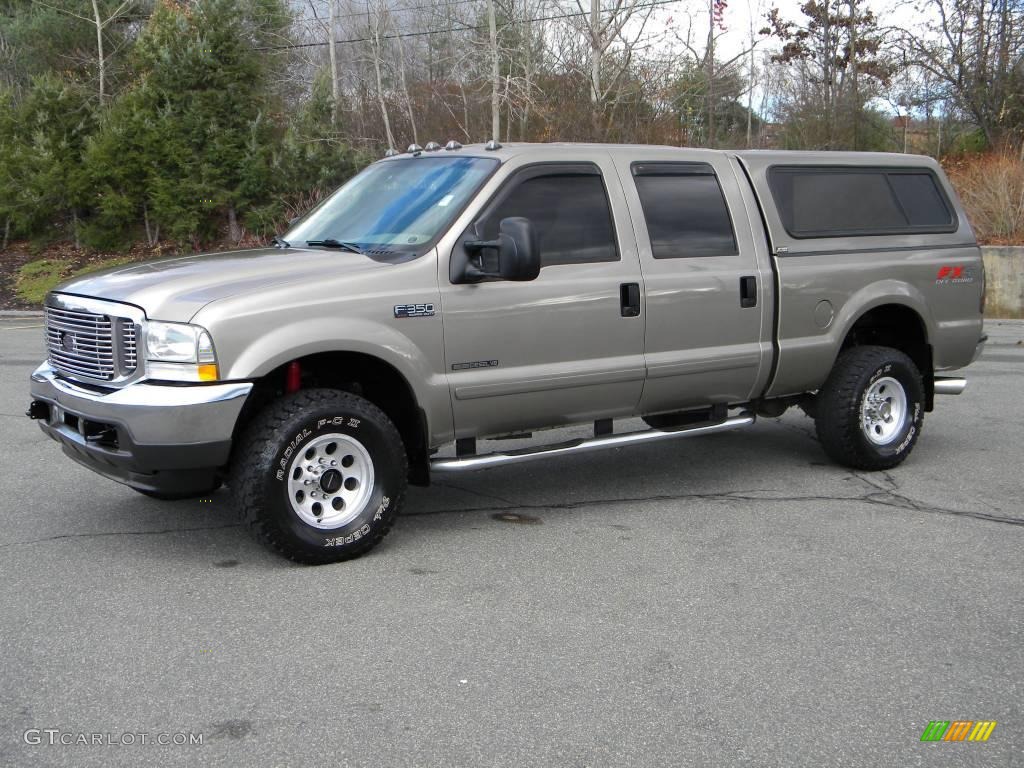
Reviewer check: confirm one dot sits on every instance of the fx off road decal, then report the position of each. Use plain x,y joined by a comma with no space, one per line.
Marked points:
952,274
414,310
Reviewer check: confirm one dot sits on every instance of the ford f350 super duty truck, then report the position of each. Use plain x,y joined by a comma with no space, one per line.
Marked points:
456,294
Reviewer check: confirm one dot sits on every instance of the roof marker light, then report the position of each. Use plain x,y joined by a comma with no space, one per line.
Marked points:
391,152
432,146
452,145
414,148
492,145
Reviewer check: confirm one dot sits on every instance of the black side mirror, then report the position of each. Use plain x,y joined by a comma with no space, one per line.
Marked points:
517,250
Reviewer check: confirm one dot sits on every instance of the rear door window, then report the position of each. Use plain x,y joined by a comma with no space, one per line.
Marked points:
685,210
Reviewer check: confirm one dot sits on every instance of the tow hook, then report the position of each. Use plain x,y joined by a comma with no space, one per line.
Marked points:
39,409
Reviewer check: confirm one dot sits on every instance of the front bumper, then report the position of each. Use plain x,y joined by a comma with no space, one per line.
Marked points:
150,436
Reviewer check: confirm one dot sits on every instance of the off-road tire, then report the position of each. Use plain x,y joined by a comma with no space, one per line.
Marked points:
259,474
838,408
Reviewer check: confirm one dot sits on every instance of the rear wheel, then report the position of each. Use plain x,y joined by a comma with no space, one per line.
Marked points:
869,413
319,476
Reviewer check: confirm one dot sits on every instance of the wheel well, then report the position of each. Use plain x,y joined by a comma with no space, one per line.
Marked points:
364,375
899,327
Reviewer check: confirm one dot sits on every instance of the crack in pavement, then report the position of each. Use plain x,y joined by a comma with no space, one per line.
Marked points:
878,496
119,533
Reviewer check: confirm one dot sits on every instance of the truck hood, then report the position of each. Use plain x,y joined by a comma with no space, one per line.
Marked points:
175,289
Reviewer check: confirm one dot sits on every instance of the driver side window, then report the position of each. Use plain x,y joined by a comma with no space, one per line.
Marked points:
570,214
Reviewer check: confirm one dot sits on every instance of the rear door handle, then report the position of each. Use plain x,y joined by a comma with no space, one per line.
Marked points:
629,299
748,291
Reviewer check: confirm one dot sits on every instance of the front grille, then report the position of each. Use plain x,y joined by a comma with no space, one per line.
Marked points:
129,347
83,344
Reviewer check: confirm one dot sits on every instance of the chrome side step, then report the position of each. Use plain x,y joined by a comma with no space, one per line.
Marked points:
582,445
949,385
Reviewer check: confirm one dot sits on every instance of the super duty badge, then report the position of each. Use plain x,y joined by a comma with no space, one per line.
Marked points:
414,310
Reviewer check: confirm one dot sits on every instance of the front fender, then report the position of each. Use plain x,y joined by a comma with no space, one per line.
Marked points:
255,334
280,346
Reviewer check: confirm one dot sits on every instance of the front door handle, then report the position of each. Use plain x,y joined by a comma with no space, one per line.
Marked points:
629,299
748,291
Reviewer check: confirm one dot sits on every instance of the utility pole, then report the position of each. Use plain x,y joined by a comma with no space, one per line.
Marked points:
495,74
595,52
711,73
334,60
853,73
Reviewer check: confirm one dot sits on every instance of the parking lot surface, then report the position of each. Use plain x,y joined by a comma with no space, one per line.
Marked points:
728,600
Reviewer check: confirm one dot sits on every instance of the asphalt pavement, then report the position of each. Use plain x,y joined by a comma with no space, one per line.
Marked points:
733,600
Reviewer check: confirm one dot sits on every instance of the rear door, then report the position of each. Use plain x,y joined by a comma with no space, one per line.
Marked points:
561,348
708,281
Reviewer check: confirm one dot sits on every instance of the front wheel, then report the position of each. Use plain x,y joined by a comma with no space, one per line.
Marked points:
319,476
869,413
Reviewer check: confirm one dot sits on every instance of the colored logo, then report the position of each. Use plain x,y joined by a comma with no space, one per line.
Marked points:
954,274
958,730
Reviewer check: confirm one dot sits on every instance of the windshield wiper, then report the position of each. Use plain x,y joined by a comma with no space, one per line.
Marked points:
281,242
330,242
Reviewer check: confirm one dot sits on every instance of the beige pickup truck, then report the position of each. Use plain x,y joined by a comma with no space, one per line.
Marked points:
451,295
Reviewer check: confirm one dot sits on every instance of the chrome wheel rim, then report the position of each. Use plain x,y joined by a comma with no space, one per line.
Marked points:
330,480
883,411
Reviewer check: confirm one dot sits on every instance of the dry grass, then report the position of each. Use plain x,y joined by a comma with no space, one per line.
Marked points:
991,187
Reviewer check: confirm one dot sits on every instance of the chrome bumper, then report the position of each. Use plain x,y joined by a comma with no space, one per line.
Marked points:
147,435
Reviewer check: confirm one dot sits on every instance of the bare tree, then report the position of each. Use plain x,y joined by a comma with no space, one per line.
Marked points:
601,34
377,19
975,48
100,23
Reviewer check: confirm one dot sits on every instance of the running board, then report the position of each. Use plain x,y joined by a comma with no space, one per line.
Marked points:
582,445
949,385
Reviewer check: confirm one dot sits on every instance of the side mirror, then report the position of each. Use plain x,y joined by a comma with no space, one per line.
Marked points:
517,250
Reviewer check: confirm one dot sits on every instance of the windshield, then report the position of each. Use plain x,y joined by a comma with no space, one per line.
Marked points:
398,205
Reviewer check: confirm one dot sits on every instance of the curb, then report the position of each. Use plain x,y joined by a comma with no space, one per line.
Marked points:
16,313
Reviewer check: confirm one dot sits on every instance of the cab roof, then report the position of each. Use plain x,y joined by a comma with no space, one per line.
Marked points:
756,157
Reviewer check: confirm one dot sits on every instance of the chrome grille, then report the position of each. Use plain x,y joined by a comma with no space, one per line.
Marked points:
81,343
129,346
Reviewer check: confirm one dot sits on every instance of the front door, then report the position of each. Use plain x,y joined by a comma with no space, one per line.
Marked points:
568,346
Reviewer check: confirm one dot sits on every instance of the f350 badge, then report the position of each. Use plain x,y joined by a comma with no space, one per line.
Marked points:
414,310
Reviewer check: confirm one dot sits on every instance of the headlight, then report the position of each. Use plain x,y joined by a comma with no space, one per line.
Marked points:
179,352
